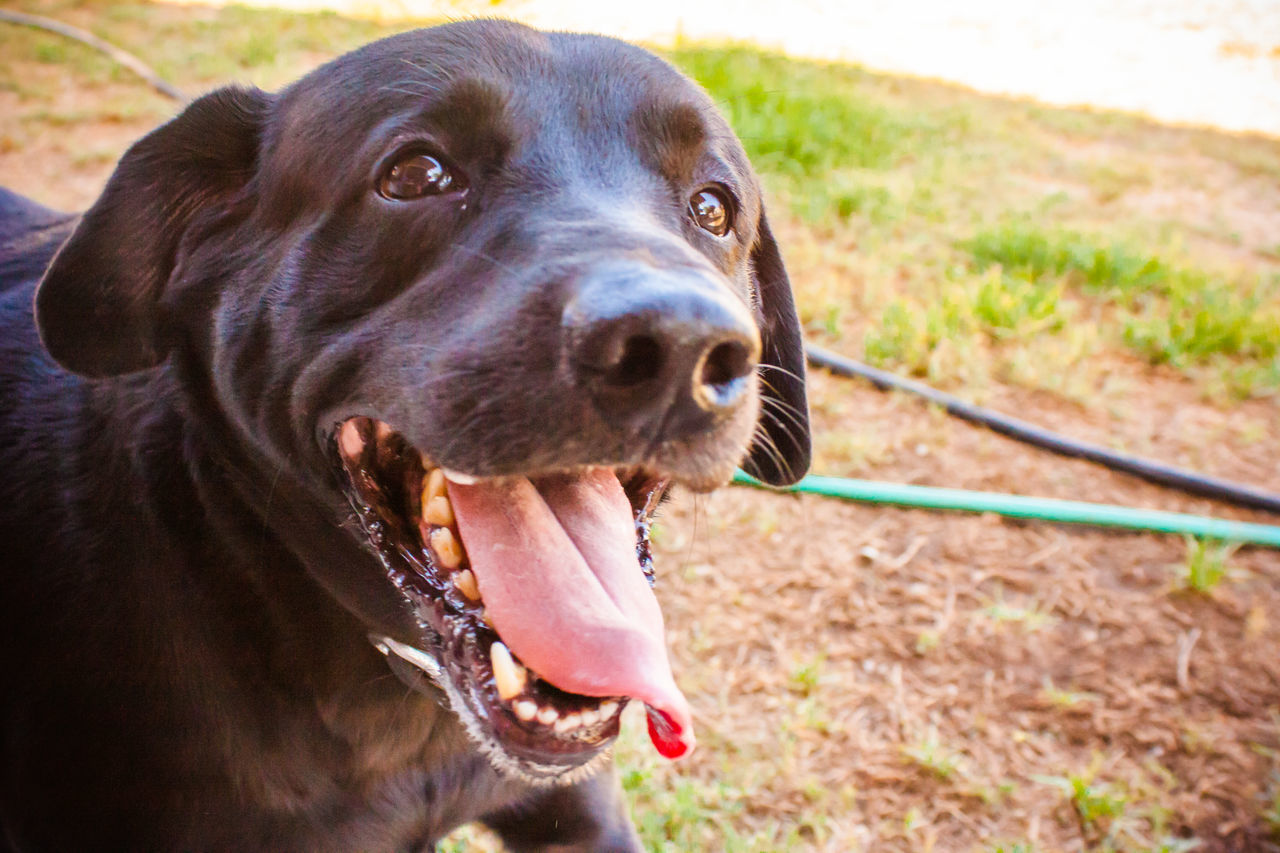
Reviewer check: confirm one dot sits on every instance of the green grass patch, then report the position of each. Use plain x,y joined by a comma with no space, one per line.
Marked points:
1168,313
821,132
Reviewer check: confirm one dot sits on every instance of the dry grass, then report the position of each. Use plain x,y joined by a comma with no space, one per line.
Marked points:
875,679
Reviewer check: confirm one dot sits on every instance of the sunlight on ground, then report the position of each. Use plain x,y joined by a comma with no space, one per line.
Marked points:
1205,62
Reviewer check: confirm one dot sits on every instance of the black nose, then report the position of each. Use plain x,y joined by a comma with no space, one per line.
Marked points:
668,350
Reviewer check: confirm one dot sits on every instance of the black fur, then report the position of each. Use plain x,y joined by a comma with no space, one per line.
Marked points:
185,598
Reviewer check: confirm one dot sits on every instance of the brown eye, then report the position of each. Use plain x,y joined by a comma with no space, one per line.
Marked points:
417,175
710,209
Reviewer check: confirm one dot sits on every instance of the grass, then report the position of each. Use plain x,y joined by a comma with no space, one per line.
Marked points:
1167,313
934,757
1207,564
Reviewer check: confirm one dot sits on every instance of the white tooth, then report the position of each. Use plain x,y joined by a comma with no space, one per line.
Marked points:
448,549
434,486
415,656
438,511
382,430
465,581
590,717
526,709
508,675
548,715
349,440
460,478
568,723
608,709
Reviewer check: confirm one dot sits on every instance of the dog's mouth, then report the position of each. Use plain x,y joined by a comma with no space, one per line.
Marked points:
532,594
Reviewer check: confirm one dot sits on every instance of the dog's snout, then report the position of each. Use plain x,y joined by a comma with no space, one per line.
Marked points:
667,350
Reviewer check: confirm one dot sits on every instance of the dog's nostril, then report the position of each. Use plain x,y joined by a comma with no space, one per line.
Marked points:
726,362
640,361
722,379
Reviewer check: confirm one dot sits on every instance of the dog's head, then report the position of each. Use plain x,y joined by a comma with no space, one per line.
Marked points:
490,292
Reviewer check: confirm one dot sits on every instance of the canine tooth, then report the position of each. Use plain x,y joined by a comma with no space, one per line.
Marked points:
508,675
526,709
465,581
590,717
417,657
460,478
434,486
447,547
486,618
548,715
608,709
349,440
568,723
382,430
438,511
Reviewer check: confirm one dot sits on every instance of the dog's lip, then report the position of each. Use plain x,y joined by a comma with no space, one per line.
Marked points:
455,648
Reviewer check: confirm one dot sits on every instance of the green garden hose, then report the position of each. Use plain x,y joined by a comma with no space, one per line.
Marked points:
1040,509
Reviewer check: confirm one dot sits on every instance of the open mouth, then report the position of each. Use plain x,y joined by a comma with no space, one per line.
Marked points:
533,597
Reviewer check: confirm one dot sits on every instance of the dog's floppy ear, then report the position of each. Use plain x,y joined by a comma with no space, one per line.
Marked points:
98,306
780,453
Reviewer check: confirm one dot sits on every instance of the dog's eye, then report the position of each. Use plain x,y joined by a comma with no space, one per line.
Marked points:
710,209
417,175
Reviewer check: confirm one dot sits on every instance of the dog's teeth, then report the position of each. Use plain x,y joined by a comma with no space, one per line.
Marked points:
438,511
548,715
434,486
349,440
465,581
508,675
447,548
460,478
568,723
590,718
525,709
486,618
382,430
608,709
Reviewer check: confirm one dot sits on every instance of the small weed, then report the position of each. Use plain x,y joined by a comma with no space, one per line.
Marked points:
1271,805
1030,618
1099,806
926,641
932,755
1207,564
1065,699
806,676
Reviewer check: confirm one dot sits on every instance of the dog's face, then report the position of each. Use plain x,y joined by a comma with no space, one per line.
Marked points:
493,292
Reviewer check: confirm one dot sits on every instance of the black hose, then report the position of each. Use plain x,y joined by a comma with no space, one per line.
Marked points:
1154,472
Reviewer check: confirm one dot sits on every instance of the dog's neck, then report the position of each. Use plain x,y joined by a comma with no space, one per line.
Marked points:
222,529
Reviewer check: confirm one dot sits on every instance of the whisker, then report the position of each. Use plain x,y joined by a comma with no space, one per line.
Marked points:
780,369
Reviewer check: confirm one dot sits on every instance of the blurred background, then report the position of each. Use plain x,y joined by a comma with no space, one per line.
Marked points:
1065,211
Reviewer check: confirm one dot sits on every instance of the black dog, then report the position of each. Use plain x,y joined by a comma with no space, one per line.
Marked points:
390,368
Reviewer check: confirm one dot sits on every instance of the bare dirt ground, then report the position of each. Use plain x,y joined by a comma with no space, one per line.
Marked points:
943,639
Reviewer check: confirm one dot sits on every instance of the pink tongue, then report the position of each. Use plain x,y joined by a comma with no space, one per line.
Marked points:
557,568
